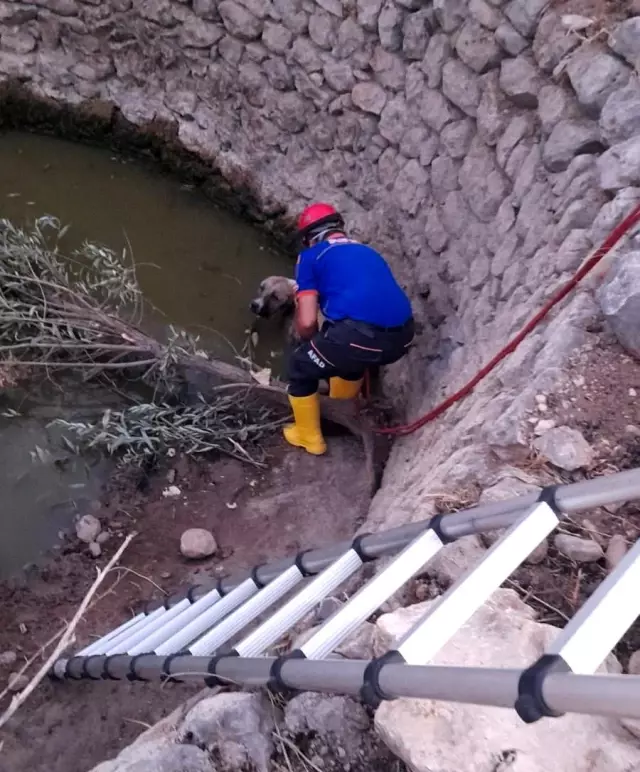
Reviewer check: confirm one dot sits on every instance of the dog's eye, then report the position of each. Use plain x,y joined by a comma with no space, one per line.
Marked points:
261,287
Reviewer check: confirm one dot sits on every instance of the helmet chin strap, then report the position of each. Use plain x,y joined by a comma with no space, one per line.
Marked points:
323,234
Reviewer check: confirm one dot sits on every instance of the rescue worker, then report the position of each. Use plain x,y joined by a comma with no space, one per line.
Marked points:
368,316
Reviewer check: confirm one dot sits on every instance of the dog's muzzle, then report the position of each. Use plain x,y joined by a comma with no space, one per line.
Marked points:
257,307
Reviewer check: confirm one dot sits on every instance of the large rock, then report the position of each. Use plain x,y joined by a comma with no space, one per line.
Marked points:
456,137
483,184
239,21
619,298
390,26
625,41
524,14
595,77
415,35
510,39
436,111
369,97
620,116
197,543
521,81
565,448
569,138
338,719
236,727
368,12
164,757
450,13
620,166
485,13
494,111
477,47
448,737
461,86
437,53
552,42
554,105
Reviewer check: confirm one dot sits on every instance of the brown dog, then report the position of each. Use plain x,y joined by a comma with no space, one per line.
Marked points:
276,299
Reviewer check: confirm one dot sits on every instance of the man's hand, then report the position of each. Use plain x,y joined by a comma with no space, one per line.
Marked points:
306,321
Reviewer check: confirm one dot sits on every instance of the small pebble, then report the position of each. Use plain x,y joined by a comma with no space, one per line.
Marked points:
171,476
8,658
542,407
17,682
541,399
165,574
543,426
580,550
171,492
616,550
633,393
103,537
95,549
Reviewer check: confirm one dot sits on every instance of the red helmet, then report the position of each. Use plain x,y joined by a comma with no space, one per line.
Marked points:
317,218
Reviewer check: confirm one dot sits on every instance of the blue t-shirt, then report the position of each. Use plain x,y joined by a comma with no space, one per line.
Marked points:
352,281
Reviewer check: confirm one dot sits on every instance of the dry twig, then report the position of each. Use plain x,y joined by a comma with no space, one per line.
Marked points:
66,638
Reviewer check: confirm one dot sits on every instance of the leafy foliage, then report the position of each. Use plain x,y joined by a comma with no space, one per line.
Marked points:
83,313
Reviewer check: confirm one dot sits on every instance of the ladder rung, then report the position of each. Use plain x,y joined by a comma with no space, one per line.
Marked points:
173,623
122,637
97,646
293,611
604,618
447,615
130,644
208,618
348,618
247,613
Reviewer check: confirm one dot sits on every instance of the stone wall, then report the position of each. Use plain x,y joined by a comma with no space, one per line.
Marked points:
480,144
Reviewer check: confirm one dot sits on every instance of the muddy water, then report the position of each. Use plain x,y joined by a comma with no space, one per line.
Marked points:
198,265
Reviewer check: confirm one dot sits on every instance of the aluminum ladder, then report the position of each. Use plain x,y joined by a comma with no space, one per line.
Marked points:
220,634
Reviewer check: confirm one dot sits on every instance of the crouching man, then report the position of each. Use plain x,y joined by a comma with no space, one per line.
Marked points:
368,320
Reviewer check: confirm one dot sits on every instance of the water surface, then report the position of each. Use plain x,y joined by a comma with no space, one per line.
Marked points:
197,264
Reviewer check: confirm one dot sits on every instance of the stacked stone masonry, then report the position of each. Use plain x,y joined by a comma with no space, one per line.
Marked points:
480,144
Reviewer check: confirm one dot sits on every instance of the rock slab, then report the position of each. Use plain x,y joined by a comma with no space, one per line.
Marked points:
565,448
448,737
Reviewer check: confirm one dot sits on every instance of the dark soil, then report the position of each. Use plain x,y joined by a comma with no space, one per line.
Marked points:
256,515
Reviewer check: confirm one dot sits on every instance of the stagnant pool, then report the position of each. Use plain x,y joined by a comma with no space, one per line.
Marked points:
198,265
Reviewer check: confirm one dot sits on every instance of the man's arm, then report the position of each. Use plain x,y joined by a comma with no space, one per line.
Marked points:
306,320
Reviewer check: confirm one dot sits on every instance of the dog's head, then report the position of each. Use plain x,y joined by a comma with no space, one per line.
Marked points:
276,295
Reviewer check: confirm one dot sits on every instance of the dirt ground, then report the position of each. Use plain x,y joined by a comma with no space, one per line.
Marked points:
256,515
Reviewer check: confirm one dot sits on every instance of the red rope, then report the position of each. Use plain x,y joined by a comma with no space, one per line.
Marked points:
612,239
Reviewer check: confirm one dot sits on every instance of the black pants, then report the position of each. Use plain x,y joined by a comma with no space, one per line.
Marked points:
345,349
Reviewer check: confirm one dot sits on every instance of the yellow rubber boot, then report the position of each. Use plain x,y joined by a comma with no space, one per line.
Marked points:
305,432
341,389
